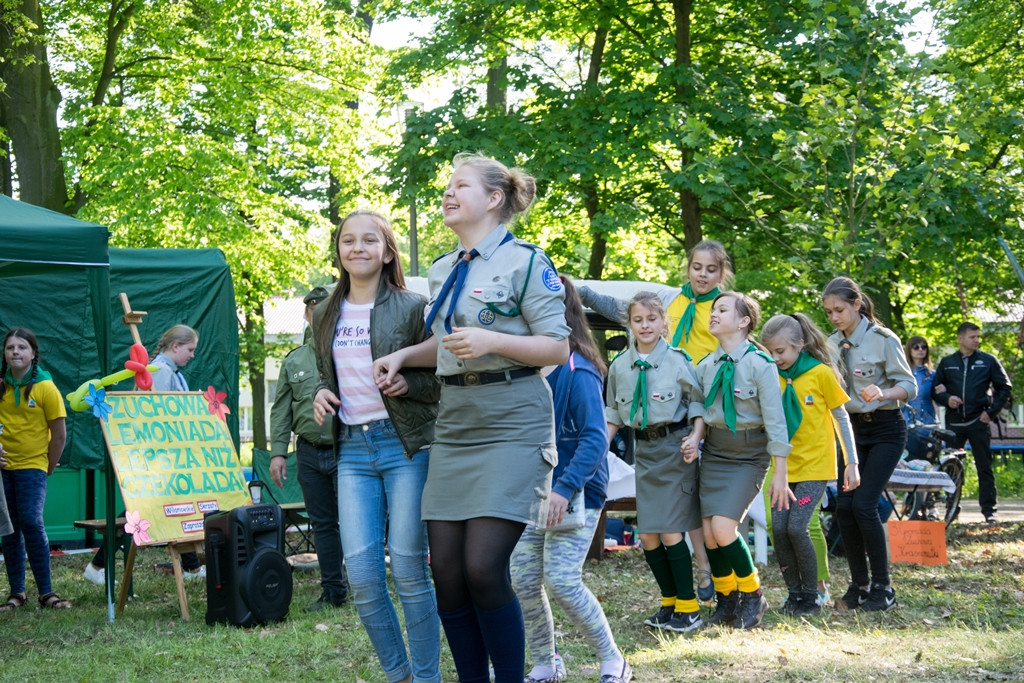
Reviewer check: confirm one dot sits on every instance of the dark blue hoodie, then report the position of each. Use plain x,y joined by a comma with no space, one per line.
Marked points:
581,433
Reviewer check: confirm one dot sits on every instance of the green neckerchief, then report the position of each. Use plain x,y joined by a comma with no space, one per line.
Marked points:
640,392
686,322
16,384
790,401
723,383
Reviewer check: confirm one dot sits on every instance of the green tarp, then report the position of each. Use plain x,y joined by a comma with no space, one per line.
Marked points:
190,286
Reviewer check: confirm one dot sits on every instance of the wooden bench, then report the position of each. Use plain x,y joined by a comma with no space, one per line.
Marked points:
100,525
596,551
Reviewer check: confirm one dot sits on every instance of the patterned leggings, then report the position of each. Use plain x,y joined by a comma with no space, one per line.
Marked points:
794,548
555,561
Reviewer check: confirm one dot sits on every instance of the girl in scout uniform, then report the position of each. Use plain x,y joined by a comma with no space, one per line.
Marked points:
380,440
879,382
812,399
32,440
746,427
688,310
496,315
652,388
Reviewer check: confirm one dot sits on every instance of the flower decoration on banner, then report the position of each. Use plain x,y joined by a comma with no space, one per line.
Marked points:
97,399
215,399
138,362
137,527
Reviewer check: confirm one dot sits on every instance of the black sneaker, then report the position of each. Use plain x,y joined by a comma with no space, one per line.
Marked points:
752,607
789,607
854,597
684,622
328,599
725,611
662,617
807,605
880,599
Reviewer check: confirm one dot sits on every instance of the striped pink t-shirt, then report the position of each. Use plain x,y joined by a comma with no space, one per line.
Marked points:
353,364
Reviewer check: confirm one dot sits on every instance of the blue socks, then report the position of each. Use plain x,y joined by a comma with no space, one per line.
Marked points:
474,634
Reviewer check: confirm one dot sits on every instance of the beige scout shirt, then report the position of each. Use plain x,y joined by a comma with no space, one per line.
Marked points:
498,275
876,357
756,392
673,392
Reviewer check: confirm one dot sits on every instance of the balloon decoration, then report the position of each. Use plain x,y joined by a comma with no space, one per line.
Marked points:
137,366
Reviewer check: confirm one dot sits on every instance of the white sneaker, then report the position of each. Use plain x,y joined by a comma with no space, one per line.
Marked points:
94,574
197,574
560,672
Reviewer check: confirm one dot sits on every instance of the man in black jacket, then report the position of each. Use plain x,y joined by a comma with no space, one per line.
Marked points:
974,387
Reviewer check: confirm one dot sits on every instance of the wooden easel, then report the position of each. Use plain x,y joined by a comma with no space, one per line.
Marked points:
175,548
132,319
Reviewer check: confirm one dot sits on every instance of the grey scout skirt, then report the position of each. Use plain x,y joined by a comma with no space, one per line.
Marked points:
666,487
493,452
732,470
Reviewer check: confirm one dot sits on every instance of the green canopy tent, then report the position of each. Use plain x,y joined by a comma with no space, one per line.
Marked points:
55,280
54,271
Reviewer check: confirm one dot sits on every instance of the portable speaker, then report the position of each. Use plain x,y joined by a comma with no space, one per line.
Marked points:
248,581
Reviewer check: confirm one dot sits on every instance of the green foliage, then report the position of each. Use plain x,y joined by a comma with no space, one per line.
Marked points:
1009,471
811,142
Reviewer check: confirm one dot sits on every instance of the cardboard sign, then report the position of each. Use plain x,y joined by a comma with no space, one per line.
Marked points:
174,460
917,542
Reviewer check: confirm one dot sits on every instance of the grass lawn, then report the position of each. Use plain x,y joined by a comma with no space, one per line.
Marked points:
956,622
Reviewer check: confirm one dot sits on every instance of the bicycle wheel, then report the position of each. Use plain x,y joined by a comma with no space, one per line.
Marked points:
948,504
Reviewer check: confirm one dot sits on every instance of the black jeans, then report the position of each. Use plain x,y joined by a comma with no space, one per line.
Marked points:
318,477
880,442
979,435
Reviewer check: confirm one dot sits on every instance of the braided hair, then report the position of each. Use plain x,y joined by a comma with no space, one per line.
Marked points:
26,334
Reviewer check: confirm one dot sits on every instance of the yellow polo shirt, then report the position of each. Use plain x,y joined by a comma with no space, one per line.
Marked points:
26,435
813,457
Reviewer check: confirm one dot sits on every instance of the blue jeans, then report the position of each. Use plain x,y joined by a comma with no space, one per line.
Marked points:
380,490
318,477
26,495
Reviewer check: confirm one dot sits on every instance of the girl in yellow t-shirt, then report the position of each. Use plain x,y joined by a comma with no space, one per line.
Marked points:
813,400
32,414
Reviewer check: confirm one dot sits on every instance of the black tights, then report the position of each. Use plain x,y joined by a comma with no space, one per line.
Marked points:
469,561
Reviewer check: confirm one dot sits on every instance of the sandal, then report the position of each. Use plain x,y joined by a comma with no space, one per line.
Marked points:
14,601
53,601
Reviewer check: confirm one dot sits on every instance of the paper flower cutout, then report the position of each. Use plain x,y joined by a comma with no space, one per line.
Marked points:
97,399
138,360
215,399
137,527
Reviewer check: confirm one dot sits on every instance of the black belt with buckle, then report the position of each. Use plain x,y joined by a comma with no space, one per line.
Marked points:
654,433
881,415
473,379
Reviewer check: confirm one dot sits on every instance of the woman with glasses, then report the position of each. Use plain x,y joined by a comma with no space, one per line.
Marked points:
921,408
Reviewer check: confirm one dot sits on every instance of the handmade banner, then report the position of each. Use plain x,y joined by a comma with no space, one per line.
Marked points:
917,542
174,460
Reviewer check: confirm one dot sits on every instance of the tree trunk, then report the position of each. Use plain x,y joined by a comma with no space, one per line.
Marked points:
6,184
689,203
496,85
591,199
254,363
30,112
